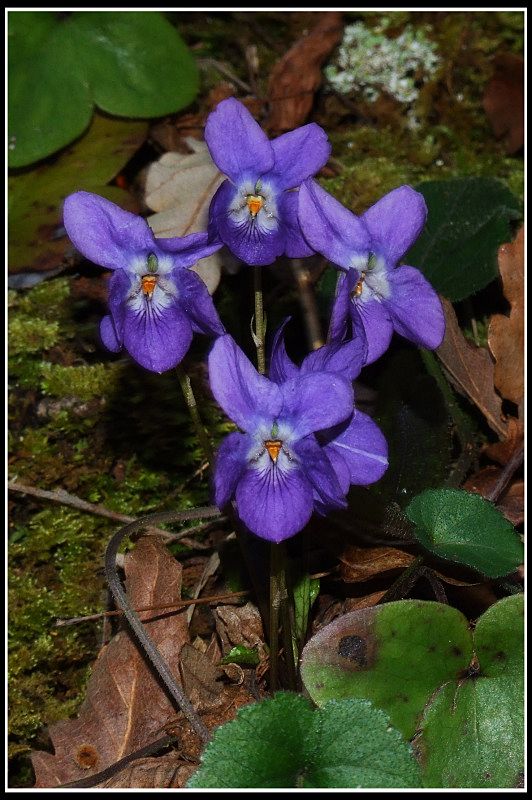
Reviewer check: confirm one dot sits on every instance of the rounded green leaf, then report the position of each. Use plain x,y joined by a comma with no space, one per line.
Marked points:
135,62
395,655
282,742
468,219
129,63
461,526
472,734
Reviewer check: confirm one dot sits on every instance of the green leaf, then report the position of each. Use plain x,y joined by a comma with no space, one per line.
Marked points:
129,63
136,63
240,654
468,219
35,197
473,731
395,655
305,592
282,742
461,526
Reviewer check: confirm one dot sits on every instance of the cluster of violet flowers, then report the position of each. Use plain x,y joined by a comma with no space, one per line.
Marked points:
302,442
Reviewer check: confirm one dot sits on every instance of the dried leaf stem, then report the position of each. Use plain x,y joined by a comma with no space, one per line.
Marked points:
120,597
260,327
66,499
308,303
190,400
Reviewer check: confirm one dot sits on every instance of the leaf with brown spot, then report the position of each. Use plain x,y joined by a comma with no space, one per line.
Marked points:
470,370
297,75
506,335
125,707
504,101
359,564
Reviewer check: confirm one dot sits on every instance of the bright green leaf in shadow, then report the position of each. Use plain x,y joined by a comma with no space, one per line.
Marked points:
283,743
463,527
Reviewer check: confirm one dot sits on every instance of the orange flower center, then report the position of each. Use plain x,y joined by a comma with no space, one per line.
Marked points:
273,446
148,283
255,203
357,291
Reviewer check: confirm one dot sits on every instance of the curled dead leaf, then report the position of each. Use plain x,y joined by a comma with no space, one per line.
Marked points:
471,371
506,334
163,772
504,450
359,564
512,501
297,75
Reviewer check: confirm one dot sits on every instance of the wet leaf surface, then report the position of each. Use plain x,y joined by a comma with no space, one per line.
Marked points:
125,707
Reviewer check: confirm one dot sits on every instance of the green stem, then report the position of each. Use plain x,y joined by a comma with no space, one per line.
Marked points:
260,329
192,406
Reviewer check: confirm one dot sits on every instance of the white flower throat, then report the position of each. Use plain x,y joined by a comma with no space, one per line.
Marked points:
372,283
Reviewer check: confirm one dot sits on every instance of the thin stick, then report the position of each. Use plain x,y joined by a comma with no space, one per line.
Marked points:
275,604
190,400
506,474
70,500
404,582
220,598
260,331
113,580
308,303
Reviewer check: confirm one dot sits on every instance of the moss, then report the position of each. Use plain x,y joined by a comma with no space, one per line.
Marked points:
31,335
83,382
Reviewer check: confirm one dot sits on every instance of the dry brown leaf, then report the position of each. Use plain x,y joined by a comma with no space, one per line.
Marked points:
163,772
125,707
180,188
471,371
240,625
504,101
506,335
297,75
512,501
200,678
361,563
503,451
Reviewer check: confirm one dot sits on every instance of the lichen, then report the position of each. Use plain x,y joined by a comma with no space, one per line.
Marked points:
370,61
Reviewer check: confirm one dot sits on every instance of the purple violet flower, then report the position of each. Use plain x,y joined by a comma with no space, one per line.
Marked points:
376,294
275,469
255,212
356,447
156,303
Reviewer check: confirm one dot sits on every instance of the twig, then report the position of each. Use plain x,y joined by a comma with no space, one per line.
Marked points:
404,582
149,648
506,474
205,63
219,598
260,328
118,766
66,499
308,303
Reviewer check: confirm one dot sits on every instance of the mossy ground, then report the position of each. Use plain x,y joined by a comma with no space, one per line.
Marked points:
99,427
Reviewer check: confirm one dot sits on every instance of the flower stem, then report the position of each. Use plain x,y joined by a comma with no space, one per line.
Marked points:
280,612
192,406
260,327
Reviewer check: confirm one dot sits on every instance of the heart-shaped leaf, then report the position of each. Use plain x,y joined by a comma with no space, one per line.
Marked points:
468,220
472,733
395,655
284,742
129,63
464,527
